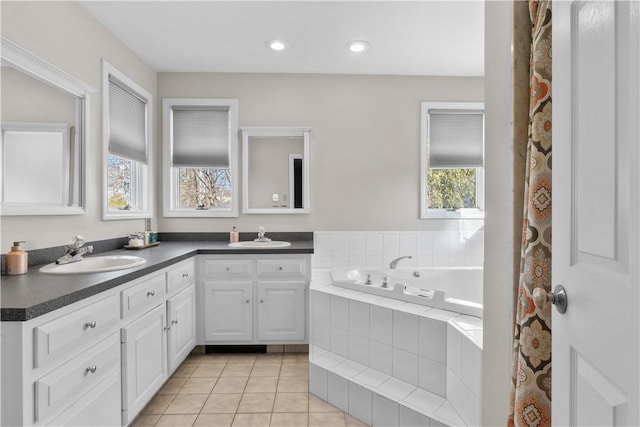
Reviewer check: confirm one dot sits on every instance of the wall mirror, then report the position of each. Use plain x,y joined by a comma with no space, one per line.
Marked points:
275,170
43,134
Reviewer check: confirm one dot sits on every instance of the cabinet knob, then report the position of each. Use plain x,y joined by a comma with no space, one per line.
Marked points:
91,325
280,268
151,293
91,369
174,322
261,301
247,301
185,275
228,269
167,328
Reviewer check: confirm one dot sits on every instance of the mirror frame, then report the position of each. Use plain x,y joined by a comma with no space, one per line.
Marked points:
22,60
302,132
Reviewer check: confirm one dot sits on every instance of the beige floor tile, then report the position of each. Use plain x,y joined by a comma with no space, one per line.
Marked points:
217,357
354,422
261,385
243,358
252,420
295,357
294,370
237,370
158,404
327,419
145,420
230,385
318,405
195,385
269,357
173,385
284,419
184,420
256,402
222,403
186,404
185,370
208,370
291,402
266,370
214,420
293,385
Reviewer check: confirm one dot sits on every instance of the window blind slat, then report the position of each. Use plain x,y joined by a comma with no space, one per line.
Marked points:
200,138
127,124
456,139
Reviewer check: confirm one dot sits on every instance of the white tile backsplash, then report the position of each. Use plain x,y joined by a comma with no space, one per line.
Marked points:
376,249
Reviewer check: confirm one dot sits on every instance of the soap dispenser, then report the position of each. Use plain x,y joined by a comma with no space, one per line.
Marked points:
16,260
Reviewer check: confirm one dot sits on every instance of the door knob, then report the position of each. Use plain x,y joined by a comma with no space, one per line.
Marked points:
558,298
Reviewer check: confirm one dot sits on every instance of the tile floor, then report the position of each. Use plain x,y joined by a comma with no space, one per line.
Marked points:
222,390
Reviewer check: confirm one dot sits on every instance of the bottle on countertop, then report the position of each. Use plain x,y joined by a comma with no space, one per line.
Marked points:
16,260
234,236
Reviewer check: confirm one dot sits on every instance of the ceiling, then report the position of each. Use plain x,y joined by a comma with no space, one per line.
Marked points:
438,38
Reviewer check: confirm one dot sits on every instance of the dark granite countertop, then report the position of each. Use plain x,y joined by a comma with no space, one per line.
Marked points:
33,294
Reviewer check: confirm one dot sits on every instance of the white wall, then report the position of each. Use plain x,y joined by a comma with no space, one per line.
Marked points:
365,143
499,201
63,34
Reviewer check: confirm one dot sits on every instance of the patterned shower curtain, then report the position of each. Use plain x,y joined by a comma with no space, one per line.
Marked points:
531,366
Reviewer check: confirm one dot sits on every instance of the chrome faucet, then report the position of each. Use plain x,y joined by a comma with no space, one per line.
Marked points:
75,250
261,237
394,263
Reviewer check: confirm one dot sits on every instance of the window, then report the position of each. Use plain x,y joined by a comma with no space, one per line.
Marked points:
126,125
452,170
200,157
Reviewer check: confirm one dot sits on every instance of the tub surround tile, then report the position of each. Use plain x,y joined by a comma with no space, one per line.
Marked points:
423,401
328,360
339,312
375,244
424,243
396,389
411,418
340,341
321,333
391,246
321,303
318,381
463,400
468,323
447,415
371,378
359,318
349,369
454,349
359,349
360,402
358,243
405,366
381,321
340,244
381,357
338,391
471,370
432,376
405,330
433,340
386,413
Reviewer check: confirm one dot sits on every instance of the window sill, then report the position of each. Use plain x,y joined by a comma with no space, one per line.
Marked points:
459,214
204,213
126,214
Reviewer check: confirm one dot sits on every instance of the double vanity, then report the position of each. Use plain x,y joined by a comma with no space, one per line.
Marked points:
93,349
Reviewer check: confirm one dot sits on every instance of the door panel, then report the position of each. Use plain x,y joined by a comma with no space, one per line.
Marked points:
228,311
181,311
596,116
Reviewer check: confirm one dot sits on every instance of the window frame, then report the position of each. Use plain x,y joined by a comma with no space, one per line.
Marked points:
170,172
430,213
141,174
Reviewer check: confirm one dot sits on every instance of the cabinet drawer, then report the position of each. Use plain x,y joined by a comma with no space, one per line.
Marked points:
281,267
143,295
75,378
74,331
181,276
228,268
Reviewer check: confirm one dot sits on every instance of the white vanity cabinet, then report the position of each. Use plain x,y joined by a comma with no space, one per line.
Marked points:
255,299
100,360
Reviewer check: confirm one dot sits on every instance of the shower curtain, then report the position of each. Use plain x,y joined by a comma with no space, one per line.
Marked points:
530,403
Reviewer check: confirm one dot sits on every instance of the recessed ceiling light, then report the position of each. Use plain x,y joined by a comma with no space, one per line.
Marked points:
277,45
357,46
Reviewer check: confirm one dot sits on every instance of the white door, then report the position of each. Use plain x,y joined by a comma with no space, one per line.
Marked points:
144,361
181,315
596,116
281,310
228,311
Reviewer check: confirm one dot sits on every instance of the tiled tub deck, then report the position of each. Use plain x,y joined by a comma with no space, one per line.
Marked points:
392,363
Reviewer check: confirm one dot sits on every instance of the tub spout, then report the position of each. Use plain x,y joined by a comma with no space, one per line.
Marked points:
394,263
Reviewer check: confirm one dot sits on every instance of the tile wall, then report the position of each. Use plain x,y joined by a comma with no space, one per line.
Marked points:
377,248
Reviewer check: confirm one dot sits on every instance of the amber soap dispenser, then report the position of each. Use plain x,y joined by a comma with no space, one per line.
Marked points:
16,260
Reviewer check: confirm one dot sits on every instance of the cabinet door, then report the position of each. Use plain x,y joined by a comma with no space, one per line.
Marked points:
101,406
144,360
228,308
281,310
181,312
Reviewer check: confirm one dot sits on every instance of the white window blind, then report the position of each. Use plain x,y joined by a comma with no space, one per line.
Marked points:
456,138
200,137
127,123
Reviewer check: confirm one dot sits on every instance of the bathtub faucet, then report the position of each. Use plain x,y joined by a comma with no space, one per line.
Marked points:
394,264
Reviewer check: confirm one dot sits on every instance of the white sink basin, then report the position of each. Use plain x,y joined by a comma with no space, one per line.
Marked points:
259,245
96,264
